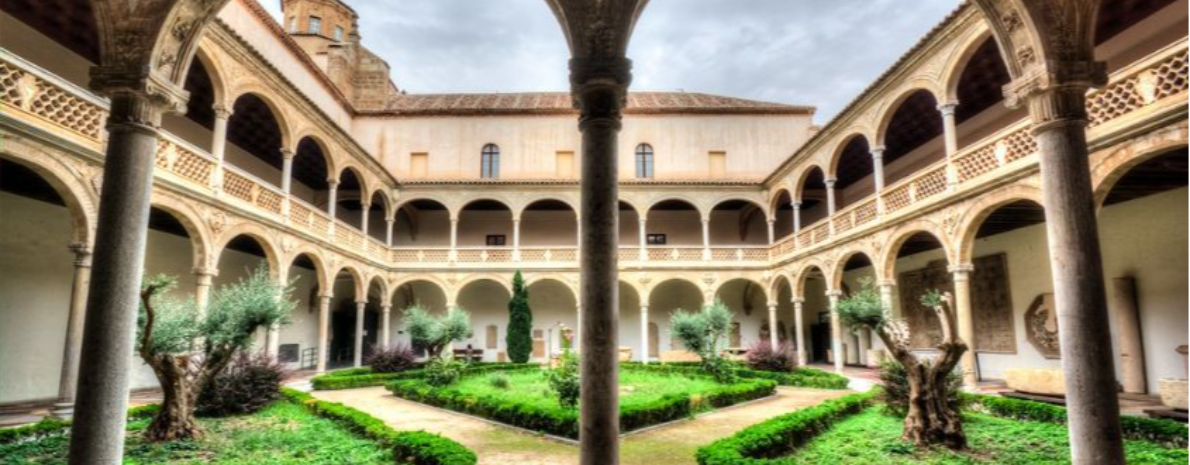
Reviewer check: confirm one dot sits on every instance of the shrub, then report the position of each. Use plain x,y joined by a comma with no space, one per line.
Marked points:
248,384
761,356
780,435
436,333
500,381
1161,431
896,388
702,333
443,371
392,359
519,338
723,370
410,447
564,379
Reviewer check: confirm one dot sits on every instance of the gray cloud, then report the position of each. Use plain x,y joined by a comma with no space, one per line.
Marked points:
820,52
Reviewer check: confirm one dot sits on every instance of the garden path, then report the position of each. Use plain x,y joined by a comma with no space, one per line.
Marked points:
670,444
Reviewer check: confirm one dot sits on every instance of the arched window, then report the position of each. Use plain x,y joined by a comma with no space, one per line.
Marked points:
490,161
644,161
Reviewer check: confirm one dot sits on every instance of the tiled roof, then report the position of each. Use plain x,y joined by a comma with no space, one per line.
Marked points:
575,182
547,103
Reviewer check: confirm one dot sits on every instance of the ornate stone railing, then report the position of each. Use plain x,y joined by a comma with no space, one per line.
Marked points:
1157,78
50,102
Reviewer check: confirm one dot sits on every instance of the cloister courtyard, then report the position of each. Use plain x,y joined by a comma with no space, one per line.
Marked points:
230,234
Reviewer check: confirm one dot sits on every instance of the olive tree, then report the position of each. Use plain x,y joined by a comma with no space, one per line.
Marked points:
931,415
702,332
435,333
187,348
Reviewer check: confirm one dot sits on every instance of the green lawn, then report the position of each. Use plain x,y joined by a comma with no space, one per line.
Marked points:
636,387
283,433
874,438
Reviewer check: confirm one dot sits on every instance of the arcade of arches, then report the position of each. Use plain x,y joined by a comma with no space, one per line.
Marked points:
370,201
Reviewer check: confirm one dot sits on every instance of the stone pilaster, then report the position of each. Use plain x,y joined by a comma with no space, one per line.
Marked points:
799,323
965,320
68,382
324,324
836,330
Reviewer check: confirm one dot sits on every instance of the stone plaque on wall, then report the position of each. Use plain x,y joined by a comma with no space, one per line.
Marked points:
1041,326
991,304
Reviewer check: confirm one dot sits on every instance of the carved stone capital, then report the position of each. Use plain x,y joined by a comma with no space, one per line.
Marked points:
287,153
948,108
222,111
137,97
82,255
599,87
1056,91
830,183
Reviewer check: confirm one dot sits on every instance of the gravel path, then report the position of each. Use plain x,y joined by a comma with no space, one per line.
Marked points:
670,444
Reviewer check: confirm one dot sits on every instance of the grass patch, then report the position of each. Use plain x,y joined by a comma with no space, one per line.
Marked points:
283,433
636,387
871,437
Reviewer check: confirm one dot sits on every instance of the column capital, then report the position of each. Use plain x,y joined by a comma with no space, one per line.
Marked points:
887,283
948,108
287,153
325,296
797,301
772,221
877,152
834,293
830,183
386,307
360,303
137,98
961,269
207,271
599,88
332,183
772,306
222,111
1057,90
796,205
82,254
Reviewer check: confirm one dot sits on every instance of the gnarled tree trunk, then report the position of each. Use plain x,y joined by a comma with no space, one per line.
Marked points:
930,419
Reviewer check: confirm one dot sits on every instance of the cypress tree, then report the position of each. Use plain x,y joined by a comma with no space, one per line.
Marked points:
520,322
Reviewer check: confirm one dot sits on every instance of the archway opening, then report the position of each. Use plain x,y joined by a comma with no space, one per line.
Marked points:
664,300
738,222
1143,230
555,317
427,294
816,309
254,139
311,170
629,225
197,126
487,302
782,208
980,93
913,137
299,339
853,172
343,319
547,223
855,271
813,197
422,223
748,302
921,266
673,223
485,223
349,198
378,216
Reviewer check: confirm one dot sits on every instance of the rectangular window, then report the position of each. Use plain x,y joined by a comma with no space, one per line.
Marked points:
315,25
655,239
338,33
419,164
496,240
293,25
718,164
565,165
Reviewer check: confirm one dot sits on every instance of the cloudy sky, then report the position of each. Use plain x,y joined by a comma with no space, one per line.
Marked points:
813,52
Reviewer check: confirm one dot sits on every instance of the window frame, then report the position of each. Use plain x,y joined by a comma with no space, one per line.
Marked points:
644,161
489,162
338,33
496,240
656,239
314,25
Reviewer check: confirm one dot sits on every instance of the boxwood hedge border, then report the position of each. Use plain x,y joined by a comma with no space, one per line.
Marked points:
799,377
1165,432
563,422
352,378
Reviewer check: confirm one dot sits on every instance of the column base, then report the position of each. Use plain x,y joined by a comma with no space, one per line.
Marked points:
63,410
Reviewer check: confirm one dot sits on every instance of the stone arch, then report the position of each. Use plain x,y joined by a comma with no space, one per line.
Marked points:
801,275
640,290
832,171
1030,41
978,211
278,111
356,171
358,281
81,201
1107,170
838,268
887,260
215,73
775,197
719,286
321,270
646,292
774,287
329,156
524,205
634,205
377,280
148,44
200,239
451,208
699,207
953,70
462,284
889,110
539,277
257,233
799,185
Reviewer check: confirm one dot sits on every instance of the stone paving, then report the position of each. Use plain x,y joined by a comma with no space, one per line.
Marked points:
670,444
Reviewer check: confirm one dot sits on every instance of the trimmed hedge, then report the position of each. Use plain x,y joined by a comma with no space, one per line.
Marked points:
559,421
800,377
1165,432
49,425
352,378
762,442
410,447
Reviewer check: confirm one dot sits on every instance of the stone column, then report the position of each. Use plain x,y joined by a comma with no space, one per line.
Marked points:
386,310
797,217
830,197
388,231
886,297
772,231
219,145
286,179
773,326
878,167
799,324
1132,349
644,243
961,275
324,325
836,330
332,204
97,434
365,209
600,88
203,280
578,328
706,239
644,334
1057,107
865,344
952,141
516,239
68,381
358,354
454,240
